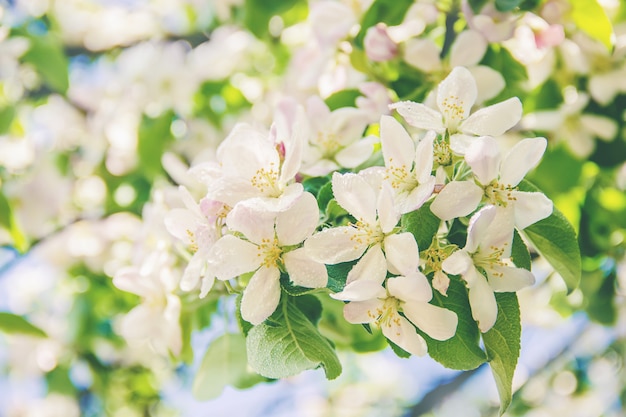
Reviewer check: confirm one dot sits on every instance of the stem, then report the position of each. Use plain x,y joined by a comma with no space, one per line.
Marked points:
451,17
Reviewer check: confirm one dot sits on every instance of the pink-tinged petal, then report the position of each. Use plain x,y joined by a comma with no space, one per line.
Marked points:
388,215
441,282
530,208
490,82
438,323
457,199
479,226
483,156
523,157
304,271
317,112
468,49
495,119
231,257
401,332
356,153
509,279
419,115
320,168
398,147
346,125
360,290
336,245
417,197
413,287
255,225
402,253
181,224
299,221
602,127
367,311
482,300
261,296
355,195
294,147
371,267
456,95
458,263
424,157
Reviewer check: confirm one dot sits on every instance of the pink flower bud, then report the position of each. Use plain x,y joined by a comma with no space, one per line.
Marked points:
378,45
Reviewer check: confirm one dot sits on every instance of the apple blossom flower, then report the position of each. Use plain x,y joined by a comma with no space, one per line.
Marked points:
456,95
266,244
374,101
496,183
408,167
494,25
373,238
336,138
484,264
379,47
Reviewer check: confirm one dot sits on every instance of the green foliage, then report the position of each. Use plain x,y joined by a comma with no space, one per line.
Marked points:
337,275
514,73
548,174
14,324
10,223
47,56
423,224
461,351
519,252
591,18
555,239
385,11
343,98
258,13
288,343
153,137
477,5
502,343
507,5
7,113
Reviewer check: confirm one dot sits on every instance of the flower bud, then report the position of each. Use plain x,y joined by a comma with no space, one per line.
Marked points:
378,45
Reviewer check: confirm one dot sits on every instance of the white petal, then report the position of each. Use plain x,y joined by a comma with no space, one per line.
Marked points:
245,151
456,95
468,49
459,143
398,147
509,279
129,279
495,119
417,197
419,115
402,253
523,157
347,124
255,225
332,246
413,287
457,263
545,120
276,204
294,146
499,234
304,271
360,290
299,221
457,199
356,153
231,257
423,54
424,157
483,156
388,214
180,222
372,267
438,323
530,208
355,195
490,82
207,284
482,301
404,335
191,275
261,296
362,311
231,190
478,227
603,127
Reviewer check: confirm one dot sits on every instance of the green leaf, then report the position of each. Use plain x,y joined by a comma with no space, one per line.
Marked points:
423,224
47,56
477,5
462,350
224,363
337,275
502,343
14,324
385,11
555,239
154,135
9,222
591,18
343,98
7,114
258,13
288,343
507,5
401,353
519,252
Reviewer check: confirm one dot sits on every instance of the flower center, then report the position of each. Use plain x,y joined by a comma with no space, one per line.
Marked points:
400,177
387,314
499,194
266,181
269,252
328,144
489,259
366,234
442,153
453,110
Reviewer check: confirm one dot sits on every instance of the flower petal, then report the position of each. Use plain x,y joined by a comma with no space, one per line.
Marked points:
355,195
417,197
401,332
332,246
482,300
530,208
458,263
424,157
261,296
254,224
360,290
438,323
356,153
423,54
495,119
523,157
304,271
299,221
413,287
490,82
398,147
509,279
388,214
478,228
372,267
358,312
456,95
402,253
231,257
483,156
419,115
456,199
468,49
